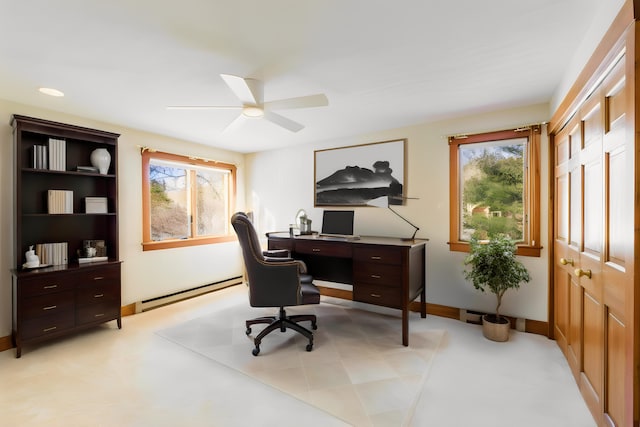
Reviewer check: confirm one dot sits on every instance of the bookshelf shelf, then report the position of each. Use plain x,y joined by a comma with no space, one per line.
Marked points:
80,214
76,173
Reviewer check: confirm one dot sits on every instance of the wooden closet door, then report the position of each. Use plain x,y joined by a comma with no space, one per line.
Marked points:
617,263
588,274
593,247
568,294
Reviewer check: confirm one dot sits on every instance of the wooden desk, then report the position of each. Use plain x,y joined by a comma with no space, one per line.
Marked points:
384,271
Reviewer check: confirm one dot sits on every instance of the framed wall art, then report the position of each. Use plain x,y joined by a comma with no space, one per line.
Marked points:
355,175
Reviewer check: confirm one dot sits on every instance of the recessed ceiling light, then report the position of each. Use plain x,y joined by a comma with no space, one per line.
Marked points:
50,91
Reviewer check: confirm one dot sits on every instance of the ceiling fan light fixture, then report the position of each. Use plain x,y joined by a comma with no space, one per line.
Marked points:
252,111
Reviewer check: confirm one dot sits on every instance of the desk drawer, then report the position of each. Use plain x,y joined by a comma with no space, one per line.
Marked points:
377,294
322,248
280,244
47,304
378,254
378,274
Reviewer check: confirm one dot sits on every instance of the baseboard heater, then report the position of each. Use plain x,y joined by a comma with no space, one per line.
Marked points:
160,301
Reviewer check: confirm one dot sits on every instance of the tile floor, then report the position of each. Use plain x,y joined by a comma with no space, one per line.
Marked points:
135,377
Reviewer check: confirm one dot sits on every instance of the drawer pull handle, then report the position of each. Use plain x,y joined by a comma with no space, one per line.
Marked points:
98,295
99,315
376,257
50,329
375,295
50,287
98,278
51,307
375,276
315,250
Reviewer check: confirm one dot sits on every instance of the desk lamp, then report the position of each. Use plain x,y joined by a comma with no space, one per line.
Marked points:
383,202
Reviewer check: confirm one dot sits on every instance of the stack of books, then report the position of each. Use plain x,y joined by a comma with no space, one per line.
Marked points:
39,157
60,201
53,253
57,154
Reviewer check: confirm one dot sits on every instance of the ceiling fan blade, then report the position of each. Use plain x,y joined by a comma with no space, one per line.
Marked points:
249,91
283,121
318,100
204,107
236,123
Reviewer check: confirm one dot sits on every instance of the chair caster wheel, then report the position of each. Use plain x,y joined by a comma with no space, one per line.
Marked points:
248,331
309,347
255,351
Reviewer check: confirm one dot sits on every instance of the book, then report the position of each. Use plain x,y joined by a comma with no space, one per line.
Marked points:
53,253
57,154
87,169
92,259
39,157
60,201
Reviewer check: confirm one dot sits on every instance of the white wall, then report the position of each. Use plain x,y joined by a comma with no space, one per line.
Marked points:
280,182
144,274
606,13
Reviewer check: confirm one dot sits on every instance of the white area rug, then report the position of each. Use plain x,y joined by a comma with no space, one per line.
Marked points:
358,371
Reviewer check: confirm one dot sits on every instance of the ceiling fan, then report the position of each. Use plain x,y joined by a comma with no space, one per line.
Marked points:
250,93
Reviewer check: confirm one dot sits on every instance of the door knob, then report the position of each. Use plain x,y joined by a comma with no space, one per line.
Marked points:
565,261
580,272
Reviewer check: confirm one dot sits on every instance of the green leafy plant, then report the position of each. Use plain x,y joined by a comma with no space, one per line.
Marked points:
493,266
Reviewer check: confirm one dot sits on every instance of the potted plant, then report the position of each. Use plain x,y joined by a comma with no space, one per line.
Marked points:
493,267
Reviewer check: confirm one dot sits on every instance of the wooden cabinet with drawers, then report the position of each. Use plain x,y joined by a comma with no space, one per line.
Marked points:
72,292
377,275
52,302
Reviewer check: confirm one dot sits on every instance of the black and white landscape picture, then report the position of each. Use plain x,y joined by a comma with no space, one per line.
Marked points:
352,176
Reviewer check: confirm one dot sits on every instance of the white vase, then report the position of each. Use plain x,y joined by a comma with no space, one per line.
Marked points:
101,159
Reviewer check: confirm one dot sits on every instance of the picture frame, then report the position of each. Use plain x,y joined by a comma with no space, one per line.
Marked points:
357,174
95,205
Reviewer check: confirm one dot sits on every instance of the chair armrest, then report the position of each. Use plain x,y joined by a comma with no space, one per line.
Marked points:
277,253
302,267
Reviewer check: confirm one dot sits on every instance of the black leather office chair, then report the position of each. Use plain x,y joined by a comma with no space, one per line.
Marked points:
275,280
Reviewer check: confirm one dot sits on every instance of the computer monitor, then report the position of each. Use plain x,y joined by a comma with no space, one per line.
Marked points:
337,222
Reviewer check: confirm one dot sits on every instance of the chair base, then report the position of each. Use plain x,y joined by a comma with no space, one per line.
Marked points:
282,322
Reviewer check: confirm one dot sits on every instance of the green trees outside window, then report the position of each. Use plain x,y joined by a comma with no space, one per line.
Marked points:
187,201
493,189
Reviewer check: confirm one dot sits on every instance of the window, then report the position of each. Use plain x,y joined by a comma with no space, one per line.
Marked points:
495,188
186,201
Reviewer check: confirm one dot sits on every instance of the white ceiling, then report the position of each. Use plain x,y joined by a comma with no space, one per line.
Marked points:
382,64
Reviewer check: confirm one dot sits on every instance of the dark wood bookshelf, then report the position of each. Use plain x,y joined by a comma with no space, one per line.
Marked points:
53,301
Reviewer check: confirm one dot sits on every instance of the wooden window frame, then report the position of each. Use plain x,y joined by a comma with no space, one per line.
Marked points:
531,244
147,243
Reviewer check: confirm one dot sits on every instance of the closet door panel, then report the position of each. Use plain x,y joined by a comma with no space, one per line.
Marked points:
615,369
576,298
561,304
593,343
